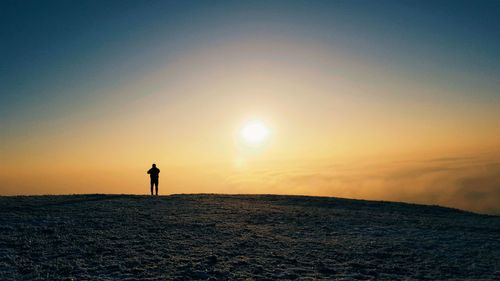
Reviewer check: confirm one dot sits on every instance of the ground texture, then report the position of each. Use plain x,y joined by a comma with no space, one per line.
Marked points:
216,237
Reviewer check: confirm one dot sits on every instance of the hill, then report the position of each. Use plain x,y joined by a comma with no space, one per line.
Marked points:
221,237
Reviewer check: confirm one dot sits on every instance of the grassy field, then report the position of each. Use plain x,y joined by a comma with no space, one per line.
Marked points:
223,237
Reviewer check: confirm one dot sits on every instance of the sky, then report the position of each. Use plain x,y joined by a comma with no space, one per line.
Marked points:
383,100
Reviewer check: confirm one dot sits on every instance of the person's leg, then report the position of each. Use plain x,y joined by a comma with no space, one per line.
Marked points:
152,183
157,188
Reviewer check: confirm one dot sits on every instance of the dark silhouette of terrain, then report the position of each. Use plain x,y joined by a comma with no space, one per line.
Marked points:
236,237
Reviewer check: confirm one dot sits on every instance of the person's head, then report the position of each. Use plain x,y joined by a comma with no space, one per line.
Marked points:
154,165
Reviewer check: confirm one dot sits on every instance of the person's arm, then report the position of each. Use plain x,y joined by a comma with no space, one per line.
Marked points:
149,171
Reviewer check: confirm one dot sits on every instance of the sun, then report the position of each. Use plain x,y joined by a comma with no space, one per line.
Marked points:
255,133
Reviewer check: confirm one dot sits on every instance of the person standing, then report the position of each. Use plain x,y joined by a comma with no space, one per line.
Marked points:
154,174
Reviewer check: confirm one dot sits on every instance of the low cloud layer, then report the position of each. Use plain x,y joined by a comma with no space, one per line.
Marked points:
470,183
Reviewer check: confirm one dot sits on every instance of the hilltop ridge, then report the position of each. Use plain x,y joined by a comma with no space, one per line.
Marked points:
221,237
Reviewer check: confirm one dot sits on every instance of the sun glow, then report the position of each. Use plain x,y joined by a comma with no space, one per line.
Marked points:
255,133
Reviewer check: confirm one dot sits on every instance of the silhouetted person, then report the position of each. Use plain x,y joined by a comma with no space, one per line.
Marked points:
154,174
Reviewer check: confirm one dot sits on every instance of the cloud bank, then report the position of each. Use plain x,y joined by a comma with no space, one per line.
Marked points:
471,183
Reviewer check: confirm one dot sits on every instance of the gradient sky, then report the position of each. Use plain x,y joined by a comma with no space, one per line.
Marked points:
388,100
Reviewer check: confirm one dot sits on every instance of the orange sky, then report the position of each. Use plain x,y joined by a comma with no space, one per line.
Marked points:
344,121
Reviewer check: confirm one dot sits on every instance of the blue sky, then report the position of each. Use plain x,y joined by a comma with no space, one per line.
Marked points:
52,43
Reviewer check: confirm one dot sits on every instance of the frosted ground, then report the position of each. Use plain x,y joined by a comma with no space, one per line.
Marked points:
213,237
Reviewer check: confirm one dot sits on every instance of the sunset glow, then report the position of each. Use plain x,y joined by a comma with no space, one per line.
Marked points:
290,97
